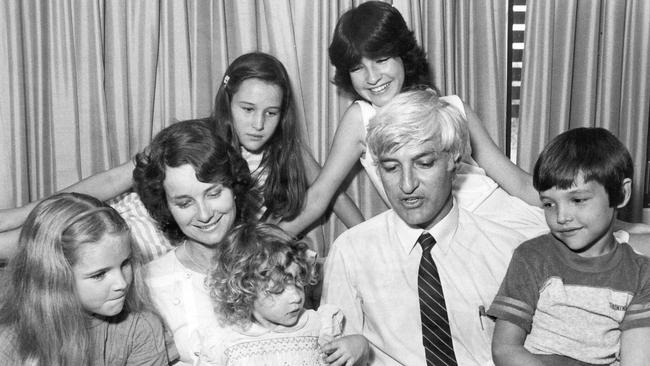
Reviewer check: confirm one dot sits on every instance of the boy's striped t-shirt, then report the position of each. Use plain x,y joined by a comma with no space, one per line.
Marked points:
571,305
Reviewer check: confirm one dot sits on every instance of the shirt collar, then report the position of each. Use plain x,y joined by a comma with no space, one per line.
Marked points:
443,231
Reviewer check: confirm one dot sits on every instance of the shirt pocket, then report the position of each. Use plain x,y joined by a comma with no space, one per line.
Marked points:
618,303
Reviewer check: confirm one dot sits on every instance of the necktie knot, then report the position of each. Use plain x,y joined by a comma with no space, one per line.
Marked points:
426,241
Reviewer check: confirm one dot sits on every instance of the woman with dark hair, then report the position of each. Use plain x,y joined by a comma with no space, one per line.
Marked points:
197,187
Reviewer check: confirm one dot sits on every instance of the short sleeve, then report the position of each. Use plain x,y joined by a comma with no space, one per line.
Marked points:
518,295
148,342
637,314
331,320
622,236
150,240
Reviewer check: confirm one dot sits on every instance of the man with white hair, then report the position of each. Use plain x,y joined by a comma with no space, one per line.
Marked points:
416,279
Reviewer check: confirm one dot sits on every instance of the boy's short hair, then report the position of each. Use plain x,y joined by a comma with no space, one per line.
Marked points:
415,117
594,152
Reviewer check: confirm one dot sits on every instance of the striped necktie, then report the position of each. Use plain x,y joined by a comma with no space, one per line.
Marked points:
436,336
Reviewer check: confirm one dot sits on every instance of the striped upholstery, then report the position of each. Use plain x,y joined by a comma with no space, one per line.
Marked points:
151,241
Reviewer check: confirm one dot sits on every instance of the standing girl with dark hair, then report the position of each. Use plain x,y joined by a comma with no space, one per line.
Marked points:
255,112
75,293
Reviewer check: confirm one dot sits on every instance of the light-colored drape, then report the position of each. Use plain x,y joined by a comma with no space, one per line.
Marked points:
86,84
586,64
467,49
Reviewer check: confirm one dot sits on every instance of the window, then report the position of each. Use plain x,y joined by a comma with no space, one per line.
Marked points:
646,198
517,18
517,27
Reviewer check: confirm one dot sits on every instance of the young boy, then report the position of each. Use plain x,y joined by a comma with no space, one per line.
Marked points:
575,296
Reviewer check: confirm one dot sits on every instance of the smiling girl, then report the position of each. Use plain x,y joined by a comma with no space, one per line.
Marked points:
75,294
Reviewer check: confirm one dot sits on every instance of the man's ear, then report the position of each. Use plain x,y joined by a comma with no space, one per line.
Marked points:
452,164
626,189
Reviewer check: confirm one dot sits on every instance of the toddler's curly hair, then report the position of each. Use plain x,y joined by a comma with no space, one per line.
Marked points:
255,258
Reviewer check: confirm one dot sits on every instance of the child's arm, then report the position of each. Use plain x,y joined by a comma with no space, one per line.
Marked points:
508,346
107,184
347,350
344,208
346,149
634,347
509,176
13,218
103,186
8,244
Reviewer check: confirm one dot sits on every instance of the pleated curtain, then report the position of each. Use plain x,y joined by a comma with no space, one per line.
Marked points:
586,64
86,84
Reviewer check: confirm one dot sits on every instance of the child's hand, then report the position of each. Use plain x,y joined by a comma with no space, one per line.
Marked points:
346,351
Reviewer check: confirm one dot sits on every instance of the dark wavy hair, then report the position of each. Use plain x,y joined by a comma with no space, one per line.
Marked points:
40,303
286,183
192,142
594,152
256,258
375,29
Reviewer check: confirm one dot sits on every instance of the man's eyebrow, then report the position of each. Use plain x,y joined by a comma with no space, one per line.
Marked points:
427,153
433,153
385,159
